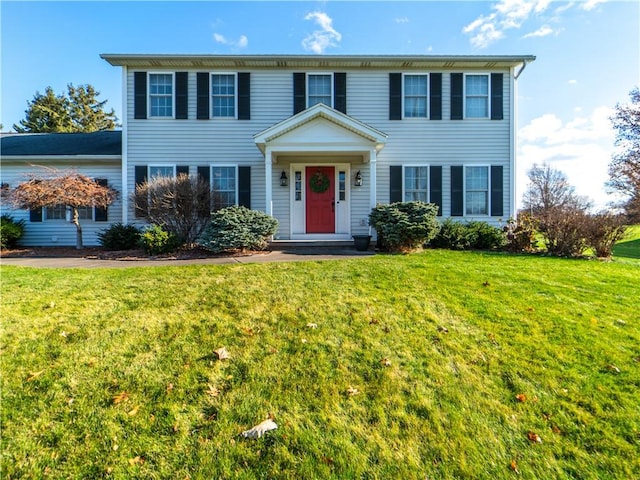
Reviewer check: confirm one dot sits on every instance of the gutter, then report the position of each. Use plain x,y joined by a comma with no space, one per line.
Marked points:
524,65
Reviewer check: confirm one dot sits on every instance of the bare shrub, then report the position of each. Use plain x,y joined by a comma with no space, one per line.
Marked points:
603,231
564,230
180,205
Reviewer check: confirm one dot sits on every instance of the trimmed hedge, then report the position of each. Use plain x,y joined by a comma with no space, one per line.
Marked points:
404,226
237,228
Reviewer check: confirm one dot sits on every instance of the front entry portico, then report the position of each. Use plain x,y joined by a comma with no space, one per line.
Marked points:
320,151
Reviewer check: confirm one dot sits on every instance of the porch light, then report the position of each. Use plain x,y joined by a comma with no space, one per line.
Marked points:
283,179
358,182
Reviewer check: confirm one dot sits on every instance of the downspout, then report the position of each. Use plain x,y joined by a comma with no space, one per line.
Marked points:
524,65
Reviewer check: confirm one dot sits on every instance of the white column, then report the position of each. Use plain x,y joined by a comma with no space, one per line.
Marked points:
372,182
124,163
268,169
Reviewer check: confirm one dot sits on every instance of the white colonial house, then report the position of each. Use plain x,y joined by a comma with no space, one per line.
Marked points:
317,141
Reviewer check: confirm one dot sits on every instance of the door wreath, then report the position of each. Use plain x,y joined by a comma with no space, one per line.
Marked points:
319,182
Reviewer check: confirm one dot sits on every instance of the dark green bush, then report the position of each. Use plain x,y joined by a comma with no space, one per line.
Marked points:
472,235
404,226
453,236
119,237
155,240
10,231
237,228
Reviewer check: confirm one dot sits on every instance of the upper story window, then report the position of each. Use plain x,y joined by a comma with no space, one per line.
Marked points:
476,96
161,95
319,89
416,183
415,96
223,95
476,181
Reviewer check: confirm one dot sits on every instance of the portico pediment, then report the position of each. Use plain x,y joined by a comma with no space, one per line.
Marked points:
320,128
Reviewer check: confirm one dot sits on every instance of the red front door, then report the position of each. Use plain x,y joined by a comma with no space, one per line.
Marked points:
320,201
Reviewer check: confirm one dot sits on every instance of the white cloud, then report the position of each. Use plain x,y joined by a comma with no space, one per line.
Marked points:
401,20
541,32
327,36
572,82
591,4
581,148
242,42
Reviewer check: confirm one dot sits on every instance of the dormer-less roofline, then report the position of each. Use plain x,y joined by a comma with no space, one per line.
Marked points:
404,62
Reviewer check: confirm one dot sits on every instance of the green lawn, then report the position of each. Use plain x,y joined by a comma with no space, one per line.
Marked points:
112,373
628,250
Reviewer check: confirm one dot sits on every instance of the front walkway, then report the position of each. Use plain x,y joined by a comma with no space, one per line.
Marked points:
288,254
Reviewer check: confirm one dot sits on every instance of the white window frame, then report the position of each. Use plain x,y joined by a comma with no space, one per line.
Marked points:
331,85
464,94
159,165
224,165
464,191
173,96
415,74
235,95
404,176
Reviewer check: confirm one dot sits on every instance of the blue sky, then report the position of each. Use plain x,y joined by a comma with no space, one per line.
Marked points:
588,54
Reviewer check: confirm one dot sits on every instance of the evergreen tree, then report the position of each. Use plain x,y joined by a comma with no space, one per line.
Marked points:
77,111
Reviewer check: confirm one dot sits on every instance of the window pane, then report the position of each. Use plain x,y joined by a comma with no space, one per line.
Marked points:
160,172
416,182
223,91
161,95
415,95
477,96
477,203
477,190
59,212
319,89
477,178
85,213
223,187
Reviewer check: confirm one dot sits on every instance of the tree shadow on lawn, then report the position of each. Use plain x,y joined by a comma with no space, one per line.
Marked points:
629,249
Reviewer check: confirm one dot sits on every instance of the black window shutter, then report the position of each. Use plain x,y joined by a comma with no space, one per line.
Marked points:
497,180
435,186
244,186
182,169
182,95
456,96
340,91
35,215
496,97
457,192
202,96
101,214
140,176
204,175
244,96
139,95
299,92
435,96
395,96
395,183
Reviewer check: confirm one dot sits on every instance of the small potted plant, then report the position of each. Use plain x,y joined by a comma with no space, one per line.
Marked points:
362,242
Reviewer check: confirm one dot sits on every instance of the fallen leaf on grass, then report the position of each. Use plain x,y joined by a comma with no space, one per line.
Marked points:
312,326
514,466
352,391
260,429
385,362
555,429
485,283
131,413
222,353
138,460
613,368
120,397
534,437
443,329
169,387
212,391
521,397
373,321
64,334
34,375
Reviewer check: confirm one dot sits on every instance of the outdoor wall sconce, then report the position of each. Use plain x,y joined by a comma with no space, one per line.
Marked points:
358,182
283,179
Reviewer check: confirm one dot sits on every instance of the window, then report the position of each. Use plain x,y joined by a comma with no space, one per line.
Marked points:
223,187
476,183
161,94
59,212
477,96
298,186
161,171
342,185
223,94
416,184
415,96
319,90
